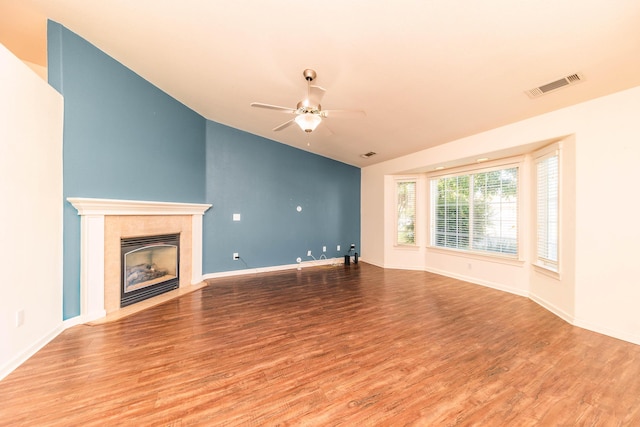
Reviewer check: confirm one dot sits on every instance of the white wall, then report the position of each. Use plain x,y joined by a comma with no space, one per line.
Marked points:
372,199
607,235
598,288
31,114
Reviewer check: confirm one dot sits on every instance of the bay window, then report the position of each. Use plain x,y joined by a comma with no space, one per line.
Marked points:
476,211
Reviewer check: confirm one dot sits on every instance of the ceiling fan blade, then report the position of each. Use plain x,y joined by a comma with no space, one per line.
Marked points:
342,113
284,125
315,95
273,107
325,129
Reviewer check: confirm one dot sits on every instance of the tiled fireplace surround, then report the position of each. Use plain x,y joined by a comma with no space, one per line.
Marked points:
105,221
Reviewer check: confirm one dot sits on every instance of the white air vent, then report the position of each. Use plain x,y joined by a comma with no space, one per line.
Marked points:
550,87
367,155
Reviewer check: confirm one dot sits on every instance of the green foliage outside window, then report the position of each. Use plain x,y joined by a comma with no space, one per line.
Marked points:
476,212
406,212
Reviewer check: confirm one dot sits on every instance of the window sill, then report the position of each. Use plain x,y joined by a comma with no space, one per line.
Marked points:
507,260
406,247
546,271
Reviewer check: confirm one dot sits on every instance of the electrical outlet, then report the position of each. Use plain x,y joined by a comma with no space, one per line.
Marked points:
338,248
236,256
324,249
353,247
308,253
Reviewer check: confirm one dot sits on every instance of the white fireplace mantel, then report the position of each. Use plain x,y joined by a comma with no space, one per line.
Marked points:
134,207
92,258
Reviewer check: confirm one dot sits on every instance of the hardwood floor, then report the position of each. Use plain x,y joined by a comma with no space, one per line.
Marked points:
354,345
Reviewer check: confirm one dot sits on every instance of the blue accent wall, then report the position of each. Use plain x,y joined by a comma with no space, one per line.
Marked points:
123,139
126,139
265,181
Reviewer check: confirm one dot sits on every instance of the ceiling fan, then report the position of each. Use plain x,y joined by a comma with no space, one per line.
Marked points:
308,112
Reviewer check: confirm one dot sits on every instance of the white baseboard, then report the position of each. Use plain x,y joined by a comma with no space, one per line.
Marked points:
632,338
404,267
10,366
590,326
301,265
79,320
553,309
374,263
46,339
477,281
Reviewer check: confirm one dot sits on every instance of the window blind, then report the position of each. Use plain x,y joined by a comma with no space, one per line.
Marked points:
547,211
406,212
476,212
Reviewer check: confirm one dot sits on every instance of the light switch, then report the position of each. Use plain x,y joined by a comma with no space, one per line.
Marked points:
236,217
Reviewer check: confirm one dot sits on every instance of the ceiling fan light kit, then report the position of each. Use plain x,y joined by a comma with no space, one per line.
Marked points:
308,122
309,112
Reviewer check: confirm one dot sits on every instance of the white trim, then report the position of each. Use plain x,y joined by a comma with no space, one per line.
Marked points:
541,269
553,309
476,281
303,264
490,166
12,364
92,267
407,247
196,249
404,267
74,321
590,326
379,265
87,206
482,256
38,345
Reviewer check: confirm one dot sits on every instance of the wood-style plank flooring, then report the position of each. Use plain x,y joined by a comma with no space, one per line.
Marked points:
327,346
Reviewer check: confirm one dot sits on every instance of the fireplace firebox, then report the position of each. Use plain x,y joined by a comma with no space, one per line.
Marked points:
150,267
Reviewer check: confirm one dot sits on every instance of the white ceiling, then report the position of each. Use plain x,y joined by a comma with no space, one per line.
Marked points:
426,71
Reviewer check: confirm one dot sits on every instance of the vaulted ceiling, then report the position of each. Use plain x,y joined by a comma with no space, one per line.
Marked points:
426,72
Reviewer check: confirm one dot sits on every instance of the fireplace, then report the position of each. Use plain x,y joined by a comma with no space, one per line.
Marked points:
104,222
150,267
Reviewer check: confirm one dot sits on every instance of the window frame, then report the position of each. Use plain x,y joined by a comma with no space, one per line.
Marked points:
396,182
545,265
488,166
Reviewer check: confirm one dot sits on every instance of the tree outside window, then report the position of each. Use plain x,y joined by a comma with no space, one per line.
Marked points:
476,212
406,212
